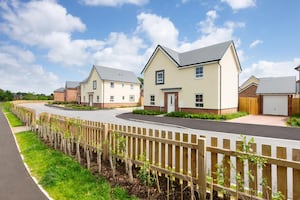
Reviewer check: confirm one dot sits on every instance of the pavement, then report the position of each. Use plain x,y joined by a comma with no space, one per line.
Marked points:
269,131
262,120
15,181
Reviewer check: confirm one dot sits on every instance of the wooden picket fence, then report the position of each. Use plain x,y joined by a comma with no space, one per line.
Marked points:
181,156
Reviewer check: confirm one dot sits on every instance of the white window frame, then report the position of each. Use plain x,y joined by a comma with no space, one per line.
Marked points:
112,84
131,86
199,104
98,98
160,77
111,98
199,74
131,98
94,84
152,101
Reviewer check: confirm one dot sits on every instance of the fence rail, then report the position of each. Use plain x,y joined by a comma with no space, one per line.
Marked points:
183,156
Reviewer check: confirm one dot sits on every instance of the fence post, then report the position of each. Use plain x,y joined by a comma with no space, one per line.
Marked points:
202,168
281,172
105,141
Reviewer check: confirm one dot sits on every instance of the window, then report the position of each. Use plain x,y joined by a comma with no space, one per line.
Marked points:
160,77
131,98
131,86
111,99
199,72
112,84
123,98
152,100
98,99
122,84
94,84
199,100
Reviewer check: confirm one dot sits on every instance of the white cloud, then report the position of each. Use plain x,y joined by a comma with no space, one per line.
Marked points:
240,4
121,51
265,68
158,29
113,2
255,43
210,33
20,73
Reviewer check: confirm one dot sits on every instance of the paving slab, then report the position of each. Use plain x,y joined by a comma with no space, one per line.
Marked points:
15,181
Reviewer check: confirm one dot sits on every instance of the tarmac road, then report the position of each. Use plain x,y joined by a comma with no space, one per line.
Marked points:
219,126
15,181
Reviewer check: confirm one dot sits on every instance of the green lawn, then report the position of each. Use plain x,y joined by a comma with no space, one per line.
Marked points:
61,176
13,120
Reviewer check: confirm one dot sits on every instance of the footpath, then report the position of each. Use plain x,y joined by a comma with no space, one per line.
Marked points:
15,181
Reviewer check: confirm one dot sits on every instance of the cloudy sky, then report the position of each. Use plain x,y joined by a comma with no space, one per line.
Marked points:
44,43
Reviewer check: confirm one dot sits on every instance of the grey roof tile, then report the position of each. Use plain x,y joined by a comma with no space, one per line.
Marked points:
198,56
113,74
72,84
277,85
60,90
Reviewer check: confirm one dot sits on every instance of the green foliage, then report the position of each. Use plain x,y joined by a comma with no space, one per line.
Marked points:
206,115
6,95
61,176
294,120
147,112
278,196
6,107
144,173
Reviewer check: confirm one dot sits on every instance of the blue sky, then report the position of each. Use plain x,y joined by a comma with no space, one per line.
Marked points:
45,43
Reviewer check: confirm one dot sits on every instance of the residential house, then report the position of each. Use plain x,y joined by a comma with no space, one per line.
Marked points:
71,91
109,87
275,95
248,88
59,94
204,80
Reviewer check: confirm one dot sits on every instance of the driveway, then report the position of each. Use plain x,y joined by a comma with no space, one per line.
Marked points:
261,120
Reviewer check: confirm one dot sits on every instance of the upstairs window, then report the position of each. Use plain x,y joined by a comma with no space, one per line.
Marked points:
199,72
160,77
94,84
112,84
131,86
199,100
152,100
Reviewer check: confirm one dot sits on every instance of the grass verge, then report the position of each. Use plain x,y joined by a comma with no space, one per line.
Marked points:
61,176
147,112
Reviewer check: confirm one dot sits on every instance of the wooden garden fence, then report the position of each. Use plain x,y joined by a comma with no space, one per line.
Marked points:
249,105
296,106
182,156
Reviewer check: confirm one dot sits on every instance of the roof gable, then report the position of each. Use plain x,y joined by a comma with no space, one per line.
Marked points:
277,85
198,56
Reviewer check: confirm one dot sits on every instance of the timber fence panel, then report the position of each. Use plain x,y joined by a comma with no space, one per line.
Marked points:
249,105
240,173
296,175
214,160
296,106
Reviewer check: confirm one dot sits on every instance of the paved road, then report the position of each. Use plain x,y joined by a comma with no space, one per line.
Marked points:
15,182
219,126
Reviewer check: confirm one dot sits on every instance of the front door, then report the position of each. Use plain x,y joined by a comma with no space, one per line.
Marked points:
171,103
91,100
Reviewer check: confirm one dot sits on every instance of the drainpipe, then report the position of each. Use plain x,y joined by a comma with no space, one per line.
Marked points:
220,87
103,94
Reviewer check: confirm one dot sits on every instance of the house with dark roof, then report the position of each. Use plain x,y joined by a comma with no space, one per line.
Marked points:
204,80
109,87
276,94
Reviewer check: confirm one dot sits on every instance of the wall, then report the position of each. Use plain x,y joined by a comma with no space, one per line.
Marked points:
59,96
71,94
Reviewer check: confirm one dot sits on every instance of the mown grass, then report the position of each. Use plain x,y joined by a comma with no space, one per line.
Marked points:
147,112
13,119
61,176
294,120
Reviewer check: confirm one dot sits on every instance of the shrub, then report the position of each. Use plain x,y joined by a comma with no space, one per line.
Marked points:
206,115
147,112
294,120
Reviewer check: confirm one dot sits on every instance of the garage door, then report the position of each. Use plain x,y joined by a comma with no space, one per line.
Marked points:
275,105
